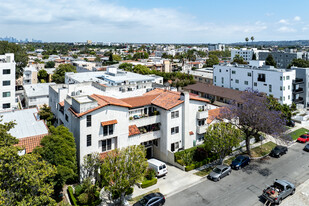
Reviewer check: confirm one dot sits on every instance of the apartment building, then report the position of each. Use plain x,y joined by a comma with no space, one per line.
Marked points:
216,47
7,81
30,75
301,86
36,95
202,75
266,79
162,120
283,59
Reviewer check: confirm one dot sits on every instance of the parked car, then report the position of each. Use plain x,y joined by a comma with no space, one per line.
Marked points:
306,148
152,199
219,172
278,151
290,123
303,138
278,191
240,162
158,166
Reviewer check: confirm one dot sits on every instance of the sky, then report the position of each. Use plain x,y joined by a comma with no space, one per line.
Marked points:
155,21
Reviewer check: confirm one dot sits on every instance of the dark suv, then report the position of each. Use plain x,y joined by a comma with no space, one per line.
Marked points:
153,199
240,162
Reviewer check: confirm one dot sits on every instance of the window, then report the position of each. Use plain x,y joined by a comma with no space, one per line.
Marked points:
106,145
255,84
88,120
6,106
108,130
66,118
280,98
174,130
249,74
6,94
289,87
175,114
6,83
283,98
174,146
289,97
237,88
215,78
222,80
233,72
283,78
246,83
88,140
280,88
261,78
287,77
280,78
6,71
219,70
283,88
270,88
236,81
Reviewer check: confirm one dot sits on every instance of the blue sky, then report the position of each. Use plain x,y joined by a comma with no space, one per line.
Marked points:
166,21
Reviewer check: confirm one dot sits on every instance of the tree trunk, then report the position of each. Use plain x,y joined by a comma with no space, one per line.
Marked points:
122,198
248,145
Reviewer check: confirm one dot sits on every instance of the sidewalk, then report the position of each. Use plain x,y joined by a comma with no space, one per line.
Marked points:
175,181
300,198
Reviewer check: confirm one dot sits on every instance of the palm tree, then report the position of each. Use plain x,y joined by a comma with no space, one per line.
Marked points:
247,39
252,39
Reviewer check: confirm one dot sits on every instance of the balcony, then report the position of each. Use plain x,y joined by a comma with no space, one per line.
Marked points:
300,100
202,114
201,129
298,81
150,136
298,91
145,120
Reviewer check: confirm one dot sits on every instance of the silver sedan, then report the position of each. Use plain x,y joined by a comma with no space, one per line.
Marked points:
219,172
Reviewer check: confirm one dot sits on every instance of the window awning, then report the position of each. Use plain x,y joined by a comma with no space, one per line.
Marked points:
109,122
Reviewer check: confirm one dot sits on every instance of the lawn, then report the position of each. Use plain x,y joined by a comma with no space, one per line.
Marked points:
262,150
297,133
137,198
229,160
204,172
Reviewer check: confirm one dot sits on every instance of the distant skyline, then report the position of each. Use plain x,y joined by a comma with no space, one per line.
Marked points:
172,21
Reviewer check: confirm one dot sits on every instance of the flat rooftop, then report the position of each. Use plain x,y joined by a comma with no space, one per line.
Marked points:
27,123
34,90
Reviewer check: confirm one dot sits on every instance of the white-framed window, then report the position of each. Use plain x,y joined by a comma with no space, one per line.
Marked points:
174,130
108,130
246,83
175,114
106,145
88,140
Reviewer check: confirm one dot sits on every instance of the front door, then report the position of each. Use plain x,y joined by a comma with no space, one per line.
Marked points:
149,153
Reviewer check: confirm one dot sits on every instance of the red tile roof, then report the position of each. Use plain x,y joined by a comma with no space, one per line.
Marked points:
109,122
133,130
61,103
213,114
140,100
29,143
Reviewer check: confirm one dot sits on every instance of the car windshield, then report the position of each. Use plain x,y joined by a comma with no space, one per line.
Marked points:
217,170
304,136
237,160
277,148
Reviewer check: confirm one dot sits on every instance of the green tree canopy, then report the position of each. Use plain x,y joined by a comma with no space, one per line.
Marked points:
212,60
122,169
270,61
46,114
59,149
6,139
50,64
239,59
299,63
59,74
221,137
140,55
43,75
20,55
116,57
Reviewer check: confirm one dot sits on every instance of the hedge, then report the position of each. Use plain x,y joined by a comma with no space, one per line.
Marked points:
71,195
199,164
148,183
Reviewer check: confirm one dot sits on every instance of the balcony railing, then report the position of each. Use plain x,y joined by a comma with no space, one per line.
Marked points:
298,81
202,114
201,129
300,100
150,136
297,91
146,120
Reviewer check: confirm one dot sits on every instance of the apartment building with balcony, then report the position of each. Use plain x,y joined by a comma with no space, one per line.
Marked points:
266,79
30,75
300,86
7,81
162,120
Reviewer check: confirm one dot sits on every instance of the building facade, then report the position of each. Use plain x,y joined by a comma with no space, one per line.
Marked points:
7,81
283,59
266,79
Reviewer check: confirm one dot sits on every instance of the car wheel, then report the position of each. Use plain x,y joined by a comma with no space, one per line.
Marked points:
279,155
218,179
279,202
293,192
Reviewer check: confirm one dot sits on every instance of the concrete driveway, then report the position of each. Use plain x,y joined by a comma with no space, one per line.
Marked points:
175,181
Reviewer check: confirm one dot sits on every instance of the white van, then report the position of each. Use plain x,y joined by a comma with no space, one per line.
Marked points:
158,166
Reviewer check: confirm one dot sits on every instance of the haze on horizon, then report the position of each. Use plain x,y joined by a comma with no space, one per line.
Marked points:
175,21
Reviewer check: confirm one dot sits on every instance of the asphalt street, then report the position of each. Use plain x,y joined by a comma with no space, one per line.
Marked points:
244,187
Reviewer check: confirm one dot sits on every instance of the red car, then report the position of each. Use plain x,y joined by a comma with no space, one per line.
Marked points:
303,138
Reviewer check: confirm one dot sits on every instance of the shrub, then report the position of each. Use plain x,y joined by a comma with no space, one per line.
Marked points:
150,174
148,183
79,190
72,198
83,198
180,162
129,191
200,154
190,167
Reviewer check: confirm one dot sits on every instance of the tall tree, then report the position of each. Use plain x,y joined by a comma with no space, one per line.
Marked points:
20,55
59,149
252,39
254,56
247,39
212,60
239,59
50,64
46,114
43,76
59,74
270,61
254,116
122,169
220,138
299,63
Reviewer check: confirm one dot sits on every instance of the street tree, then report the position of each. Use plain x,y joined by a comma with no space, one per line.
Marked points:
50,64
122,169
254,116
20,55
59,149
212,60
247,39
220,138
270,61
59,74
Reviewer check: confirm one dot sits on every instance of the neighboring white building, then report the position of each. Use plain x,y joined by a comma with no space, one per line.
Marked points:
162,120
7,81
266,79
30,75
36,95
246,54
216,47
